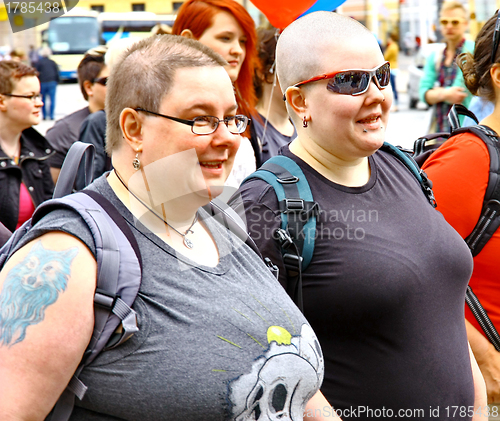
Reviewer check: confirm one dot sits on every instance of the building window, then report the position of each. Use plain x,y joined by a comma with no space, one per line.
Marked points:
176,5
97,7
138,7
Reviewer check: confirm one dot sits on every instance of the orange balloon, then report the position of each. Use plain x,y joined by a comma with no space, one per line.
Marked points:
282,13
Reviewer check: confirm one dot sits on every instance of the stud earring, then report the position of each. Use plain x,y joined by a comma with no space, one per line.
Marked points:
304,122
136,163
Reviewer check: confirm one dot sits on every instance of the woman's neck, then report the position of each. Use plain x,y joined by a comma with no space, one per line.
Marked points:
273,111
10,140
493,120
351,173
178,215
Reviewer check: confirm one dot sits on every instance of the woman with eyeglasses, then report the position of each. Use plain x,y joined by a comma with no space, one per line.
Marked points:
442,83
459,171
218,338
25,179
385,286
228,29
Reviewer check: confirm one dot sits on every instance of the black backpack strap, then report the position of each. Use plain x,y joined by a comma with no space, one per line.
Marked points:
482,318
454,116
488,223
489,220
413,167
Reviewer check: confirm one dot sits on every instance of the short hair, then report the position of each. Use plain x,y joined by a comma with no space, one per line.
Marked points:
144,74
476,69
301,45
11,72
89,68
453,4
197,16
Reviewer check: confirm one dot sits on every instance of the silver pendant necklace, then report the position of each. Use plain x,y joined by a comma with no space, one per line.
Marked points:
186,241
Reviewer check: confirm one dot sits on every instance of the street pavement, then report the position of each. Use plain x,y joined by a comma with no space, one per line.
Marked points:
404,127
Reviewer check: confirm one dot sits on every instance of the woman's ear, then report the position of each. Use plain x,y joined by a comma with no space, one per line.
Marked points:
187,34
87,86
131,126
495,78
297,101
3,105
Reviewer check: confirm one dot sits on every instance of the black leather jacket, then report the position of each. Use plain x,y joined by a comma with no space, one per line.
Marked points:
33,170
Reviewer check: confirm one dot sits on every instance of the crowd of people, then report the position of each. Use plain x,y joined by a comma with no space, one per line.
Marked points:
381,328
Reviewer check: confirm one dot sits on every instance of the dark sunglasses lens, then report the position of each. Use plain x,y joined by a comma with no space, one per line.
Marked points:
348,83
102,81
384,75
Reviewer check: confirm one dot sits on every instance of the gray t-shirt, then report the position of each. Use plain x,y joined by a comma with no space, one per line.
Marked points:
214,343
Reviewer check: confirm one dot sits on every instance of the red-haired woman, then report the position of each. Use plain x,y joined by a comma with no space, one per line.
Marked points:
25,179
227,28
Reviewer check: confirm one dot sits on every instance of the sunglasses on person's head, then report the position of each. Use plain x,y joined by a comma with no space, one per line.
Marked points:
356,81
496,37
454,21
101,80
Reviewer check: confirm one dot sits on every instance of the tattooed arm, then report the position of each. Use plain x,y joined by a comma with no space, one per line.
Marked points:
46,321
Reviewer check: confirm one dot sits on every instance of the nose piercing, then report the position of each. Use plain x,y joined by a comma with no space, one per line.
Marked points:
365,131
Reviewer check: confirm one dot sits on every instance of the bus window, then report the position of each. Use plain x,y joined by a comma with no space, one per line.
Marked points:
73,34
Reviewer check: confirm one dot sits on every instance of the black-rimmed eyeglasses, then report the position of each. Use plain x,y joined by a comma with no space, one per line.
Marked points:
208,124
33,97
496,38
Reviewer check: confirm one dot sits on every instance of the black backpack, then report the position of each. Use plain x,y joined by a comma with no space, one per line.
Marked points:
119,264
489,220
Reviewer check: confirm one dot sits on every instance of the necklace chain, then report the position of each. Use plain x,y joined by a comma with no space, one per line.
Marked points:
186,241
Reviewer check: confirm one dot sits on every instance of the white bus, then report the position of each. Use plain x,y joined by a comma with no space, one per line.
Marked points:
136,24
70,36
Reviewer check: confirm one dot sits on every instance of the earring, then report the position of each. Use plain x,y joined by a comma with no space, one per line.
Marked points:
304,122
136,163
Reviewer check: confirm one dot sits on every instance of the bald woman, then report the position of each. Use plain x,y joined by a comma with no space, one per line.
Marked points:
385,288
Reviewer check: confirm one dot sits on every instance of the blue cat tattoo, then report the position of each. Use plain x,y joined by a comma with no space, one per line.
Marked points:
29,288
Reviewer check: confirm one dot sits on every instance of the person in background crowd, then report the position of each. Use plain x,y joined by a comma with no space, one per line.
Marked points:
33,55
161,29
391,54
227,28
441,68
385,297
459,171
213,321
18,54
271,127
25,179
92,76
49,78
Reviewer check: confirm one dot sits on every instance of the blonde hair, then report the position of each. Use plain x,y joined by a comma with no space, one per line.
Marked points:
453,4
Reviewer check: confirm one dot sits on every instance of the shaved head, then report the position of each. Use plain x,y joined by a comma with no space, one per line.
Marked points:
304,42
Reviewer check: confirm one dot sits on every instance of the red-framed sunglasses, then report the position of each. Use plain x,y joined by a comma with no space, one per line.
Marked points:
355,81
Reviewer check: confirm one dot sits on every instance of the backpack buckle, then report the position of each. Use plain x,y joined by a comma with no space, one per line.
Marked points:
294,205
105,299
288,180
292,262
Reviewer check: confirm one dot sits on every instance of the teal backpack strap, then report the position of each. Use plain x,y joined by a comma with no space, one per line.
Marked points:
413,167
296,203
298,218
